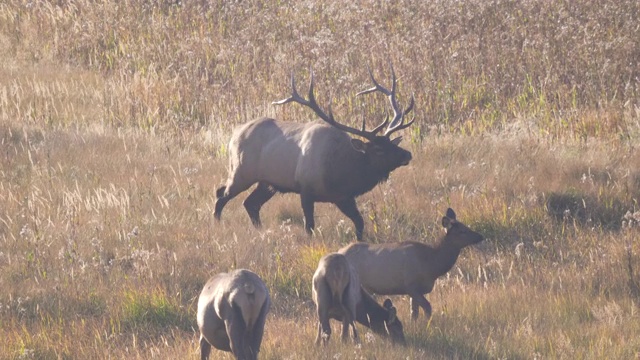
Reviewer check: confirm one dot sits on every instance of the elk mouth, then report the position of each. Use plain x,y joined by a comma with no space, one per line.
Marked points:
406,160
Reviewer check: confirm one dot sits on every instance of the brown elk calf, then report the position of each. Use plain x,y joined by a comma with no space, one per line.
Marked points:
410,268
232,310
335,289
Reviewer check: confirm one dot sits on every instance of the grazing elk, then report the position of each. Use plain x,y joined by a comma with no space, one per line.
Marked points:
232,309
336,289
317,160
382,320
410,268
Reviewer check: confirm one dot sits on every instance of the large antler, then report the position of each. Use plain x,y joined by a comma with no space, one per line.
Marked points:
311,103
398,115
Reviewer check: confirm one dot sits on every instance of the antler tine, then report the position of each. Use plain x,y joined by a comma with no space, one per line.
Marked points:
294,94
311,103
395,127
375,87
398,114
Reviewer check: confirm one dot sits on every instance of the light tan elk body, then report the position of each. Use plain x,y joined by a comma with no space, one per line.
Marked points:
410,268
317,160
336,289
232,310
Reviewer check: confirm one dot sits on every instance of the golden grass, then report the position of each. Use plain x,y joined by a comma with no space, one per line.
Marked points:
114,118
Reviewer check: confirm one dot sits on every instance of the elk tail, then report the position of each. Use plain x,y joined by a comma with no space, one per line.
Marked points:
249,288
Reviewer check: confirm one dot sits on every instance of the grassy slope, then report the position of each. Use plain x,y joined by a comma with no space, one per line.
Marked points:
113,124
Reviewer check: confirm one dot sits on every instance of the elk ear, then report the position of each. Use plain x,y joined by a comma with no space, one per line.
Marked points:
387,304
359,145
447,222
451,214
396,141
393,315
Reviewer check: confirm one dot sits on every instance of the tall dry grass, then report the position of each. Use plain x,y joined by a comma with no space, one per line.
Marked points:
114,118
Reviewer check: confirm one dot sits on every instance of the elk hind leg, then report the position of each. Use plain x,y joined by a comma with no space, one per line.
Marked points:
258,197
227,192
258,330
205,348
236,329
347,321
323,302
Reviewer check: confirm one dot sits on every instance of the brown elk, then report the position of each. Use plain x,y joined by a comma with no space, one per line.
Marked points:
332,273
336,288
382,320
410,268
317,160
232,310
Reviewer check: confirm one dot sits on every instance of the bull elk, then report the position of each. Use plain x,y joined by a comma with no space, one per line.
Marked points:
232,309
338,295
317,160
410,268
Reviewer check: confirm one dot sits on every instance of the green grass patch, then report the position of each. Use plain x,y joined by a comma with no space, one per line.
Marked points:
152,311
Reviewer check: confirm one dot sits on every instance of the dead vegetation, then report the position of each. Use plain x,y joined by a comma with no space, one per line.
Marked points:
114,120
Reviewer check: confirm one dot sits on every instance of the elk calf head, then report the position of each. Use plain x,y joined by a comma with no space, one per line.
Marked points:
392,323
458,234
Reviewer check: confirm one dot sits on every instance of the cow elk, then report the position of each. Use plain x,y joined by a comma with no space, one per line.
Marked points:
410,268
232,309
317,160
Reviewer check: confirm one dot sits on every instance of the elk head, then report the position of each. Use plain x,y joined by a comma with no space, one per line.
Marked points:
393,324
458,234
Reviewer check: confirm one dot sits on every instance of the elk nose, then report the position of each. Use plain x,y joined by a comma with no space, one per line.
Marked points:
406,159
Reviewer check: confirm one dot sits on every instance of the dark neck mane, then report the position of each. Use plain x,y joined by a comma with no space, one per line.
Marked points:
351,175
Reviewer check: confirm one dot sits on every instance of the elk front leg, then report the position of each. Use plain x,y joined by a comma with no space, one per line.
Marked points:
350,209
418,300
307,201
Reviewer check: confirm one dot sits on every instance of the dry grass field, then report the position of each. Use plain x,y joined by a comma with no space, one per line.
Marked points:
114,122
